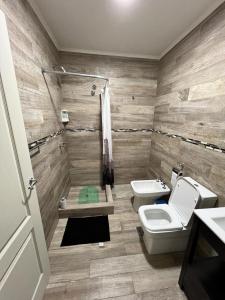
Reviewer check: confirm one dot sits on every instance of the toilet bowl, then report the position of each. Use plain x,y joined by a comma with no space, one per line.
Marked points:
166,227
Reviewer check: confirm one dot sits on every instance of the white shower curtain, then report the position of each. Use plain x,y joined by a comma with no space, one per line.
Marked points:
108,172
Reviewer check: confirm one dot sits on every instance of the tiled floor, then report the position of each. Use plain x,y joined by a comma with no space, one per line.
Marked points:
121,270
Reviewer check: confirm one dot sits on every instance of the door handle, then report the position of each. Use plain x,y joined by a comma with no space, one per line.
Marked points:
32,182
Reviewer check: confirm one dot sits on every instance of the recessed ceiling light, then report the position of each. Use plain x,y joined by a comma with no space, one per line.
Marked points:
125,2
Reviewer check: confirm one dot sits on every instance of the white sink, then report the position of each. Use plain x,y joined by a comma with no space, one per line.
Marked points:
220,221
149,188
214,218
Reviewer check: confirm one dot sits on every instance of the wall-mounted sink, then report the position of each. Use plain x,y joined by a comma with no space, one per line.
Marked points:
220,221
214,218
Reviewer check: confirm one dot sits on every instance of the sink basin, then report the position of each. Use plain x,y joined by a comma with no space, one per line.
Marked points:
149,188
214,218
220,222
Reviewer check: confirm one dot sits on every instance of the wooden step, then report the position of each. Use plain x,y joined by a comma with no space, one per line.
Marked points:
102,208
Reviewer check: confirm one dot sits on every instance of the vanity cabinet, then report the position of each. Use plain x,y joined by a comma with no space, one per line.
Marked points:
203,278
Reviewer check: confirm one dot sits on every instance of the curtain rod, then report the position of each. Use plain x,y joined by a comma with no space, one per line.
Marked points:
74,74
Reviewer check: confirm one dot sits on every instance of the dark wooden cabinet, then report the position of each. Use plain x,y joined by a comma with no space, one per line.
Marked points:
203,278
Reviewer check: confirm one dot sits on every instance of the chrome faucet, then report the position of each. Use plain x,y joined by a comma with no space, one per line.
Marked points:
181,169
160,179
163,184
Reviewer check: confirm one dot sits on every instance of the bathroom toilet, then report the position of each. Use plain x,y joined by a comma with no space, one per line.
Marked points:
167,227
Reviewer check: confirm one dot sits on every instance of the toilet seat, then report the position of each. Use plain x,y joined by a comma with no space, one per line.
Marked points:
160,218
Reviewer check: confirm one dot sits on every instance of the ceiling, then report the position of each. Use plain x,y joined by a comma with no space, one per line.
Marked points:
133,28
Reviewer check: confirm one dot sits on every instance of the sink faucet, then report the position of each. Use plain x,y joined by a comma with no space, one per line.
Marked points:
159,179
181,169
163,184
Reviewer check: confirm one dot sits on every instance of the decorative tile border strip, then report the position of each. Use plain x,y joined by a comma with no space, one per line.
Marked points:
83,129
206,145
113,130
132,130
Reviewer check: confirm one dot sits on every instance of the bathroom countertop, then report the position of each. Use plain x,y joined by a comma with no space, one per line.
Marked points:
214,218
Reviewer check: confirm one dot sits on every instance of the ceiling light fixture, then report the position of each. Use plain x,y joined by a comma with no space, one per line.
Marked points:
125,3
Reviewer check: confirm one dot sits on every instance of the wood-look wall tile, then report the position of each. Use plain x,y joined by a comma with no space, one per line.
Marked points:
190,102
132,90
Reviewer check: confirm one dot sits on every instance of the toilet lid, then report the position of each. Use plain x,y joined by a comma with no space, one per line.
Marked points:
184,199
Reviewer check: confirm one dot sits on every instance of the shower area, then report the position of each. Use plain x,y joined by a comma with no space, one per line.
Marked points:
77,161
87,141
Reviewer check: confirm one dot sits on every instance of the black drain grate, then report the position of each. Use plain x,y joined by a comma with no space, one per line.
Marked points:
86,230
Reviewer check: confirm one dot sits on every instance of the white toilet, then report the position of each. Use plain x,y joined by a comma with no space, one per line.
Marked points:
167,227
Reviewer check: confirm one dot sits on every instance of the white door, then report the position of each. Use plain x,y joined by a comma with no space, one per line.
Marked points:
24,266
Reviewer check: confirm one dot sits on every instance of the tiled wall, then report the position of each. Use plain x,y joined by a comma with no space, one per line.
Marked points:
191,103
133,90
32,49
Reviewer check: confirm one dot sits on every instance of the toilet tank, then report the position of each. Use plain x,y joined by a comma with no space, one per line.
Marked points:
207,198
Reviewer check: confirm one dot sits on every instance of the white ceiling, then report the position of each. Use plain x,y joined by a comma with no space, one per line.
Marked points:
136,28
